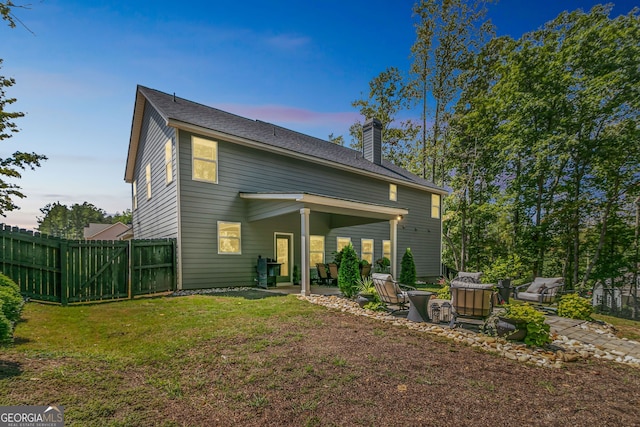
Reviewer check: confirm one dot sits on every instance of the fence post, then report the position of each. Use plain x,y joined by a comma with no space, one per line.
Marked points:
130,269
174,267
64,273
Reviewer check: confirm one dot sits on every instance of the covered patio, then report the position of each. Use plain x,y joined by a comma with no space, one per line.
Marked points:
343,212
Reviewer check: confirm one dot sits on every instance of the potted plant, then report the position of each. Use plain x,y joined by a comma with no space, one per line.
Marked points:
366,291
522,322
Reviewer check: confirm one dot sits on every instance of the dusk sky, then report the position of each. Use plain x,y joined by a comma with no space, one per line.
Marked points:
298,64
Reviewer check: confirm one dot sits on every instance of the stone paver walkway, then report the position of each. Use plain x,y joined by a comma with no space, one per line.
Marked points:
577,330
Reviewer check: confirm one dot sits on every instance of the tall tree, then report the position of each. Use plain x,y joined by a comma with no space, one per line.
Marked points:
61,221
10,166
126,217
6,14
387,97
559,112
448,32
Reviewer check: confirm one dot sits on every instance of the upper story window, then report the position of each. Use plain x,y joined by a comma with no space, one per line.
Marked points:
316,250
135,195
229,238
147,174
204,159
168,161
341,242
393,192
435,206
367,250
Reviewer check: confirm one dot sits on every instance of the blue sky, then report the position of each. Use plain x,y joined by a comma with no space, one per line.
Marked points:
298,64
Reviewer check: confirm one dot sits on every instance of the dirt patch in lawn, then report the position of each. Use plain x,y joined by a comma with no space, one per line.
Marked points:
329,369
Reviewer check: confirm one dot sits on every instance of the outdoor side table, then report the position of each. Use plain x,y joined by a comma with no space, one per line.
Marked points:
419,306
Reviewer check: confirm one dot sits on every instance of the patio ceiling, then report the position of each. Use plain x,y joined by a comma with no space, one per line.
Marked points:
346,212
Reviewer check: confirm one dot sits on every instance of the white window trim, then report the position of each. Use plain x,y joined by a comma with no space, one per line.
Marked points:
168,161
437,206
338,249
383,253
147,174
239,224
318,252
362,252
194,158
393,192
135,194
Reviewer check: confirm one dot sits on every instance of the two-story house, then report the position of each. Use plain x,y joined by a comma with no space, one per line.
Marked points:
230,189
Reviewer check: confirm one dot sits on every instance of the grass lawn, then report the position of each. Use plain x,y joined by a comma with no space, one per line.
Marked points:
253,360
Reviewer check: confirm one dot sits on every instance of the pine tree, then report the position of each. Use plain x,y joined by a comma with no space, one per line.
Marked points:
349,271
408,269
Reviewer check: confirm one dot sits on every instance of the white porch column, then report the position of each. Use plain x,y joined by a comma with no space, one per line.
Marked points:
393,236
304,251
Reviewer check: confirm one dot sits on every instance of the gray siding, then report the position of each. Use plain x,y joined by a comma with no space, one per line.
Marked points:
243,169
156,217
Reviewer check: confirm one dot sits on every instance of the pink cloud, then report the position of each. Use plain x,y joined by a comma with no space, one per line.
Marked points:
285,114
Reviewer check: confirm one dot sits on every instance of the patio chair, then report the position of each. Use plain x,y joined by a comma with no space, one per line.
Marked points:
323,276
366,270
471,301
543,290
391,292
333,273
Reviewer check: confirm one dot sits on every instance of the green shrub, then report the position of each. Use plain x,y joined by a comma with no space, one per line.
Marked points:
382,265
349,272
444,292
573,306
375,306
7,282
408,269
11,303
537,329
6,328
337,257
510,267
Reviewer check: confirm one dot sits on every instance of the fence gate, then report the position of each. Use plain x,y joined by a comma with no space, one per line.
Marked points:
94,270
153,266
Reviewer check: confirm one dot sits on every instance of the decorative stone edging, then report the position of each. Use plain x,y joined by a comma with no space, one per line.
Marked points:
570,350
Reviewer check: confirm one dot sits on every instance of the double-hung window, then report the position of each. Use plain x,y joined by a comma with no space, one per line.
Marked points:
168,161
341,242
204,159
393,192
135,195
367,250
147,174
316,250
435,206
386,249
229,238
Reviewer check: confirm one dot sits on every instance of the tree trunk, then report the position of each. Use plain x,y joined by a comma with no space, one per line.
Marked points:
603,233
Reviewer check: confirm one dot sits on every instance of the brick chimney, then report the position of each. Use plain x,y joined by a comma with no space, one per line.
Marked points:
372,140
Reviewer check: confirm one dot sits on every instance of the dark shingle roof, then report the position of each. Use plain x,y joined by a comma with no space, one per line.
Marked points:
182,110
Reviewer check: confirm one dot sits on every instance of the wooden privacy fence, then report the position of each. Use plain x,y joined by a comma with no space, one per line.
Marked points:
70,271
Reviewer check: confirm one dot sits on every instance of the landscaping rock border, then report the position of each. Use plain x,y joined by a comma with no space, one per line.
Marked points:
561,350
